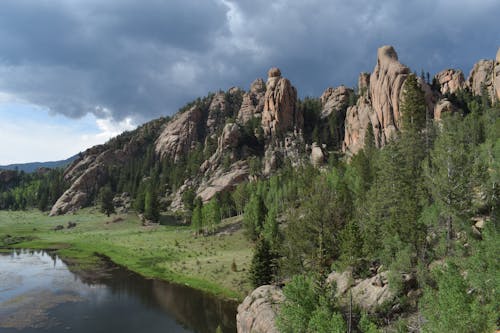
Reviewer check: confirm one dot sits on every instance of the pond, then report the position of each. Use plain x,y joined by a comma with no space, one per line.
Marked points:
38,293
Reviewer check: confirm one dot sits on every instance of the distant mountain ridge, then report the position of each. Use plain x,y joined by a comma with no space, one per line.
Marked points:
33,166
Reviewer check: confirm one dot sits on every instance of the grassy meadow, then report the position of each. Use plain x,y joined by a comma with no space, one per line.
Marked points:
169,252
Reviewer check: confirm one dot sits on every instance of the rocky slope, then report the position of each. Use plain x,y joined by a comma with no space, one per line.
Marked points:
266,124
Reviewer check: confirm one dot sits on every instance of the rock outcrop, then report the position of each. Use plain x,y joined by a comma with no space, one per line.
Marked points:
481,77
89,171
253,102
335,100
86,175
179,134
386,86
257,313
280,113
357,118
450,80
367,293
442,107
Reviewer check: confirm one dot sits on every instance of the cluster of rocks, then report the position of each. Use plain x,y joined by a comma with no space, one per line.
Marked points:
122,203
258,311
380,95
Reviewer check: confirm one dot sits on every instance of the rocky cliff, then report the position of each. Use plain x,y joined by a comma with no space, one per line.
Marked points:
266,124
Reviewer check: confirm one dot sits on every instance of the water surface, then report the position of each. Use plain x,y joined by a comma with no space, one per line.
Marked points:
38,293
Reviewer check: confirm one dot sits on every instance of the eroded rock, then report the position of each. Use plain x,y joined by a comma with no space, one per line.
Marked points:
450,80
386,86
280,100
179,134
257,313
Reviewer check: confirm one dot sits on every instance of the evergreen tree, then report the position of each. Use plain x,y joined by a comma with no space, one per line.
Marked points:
151,208
197,218
254,216
106,200
261,271
449,176
212,213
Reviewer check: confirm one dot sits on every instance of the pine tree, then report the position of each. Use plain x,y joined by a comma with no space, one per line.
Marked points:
449,175
261,266
253,218
197,218
106,200
151,209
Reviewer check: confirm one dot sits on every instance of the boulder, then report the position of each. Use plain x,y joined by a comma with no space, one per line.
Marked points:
317,157
257,313
178,135
450,80
280,113
368,293
343,281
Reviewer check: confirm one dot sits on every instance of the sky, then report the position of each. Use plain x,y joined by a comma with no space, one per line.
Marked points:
74,73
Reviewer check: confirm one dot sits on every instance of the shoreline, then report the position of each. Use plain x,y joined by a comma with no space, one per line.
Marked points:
84,255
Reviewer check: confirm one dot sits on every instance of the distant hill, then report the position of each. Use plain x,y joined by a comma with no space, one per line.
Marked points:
31,167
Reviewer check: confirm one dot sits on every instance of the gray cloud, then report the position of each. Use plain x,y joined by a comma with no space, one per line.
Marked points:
147,58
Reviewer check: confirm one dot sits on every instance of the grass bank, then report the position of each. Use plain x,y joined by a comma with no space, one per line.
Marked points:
168,252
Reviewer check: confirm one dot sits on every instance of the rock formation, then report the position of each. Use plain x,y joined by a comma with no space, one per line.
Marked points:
87,173
317,156
335,100
450,80
386,85
280,100
179,134
442,107
481,77
253,102
357,118
257,313
366,293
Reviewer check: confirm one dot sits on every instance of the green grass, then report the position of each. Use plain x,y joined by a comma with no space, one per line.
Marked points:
167,252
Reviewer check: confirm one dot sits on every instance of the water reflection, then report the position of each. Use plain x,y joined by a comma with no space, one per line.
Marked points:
37,291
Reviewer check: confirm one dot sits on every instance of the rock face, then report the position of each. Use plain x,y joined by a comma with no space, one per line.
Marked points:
386,85
357,118
257,313
280,100
481,77
496,75
334,100
253,102
442,107
87,173
450,80
179,134
368,293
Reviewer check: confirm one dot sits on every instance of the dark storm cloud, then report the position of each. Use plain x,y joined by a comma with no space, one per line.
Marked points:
147,58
